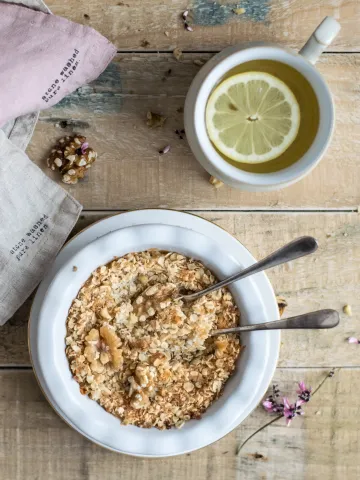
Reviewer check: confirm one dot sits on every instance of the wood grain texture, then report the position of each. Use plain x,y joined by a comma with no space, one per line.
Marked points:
130,173
36,444
328,279
141,24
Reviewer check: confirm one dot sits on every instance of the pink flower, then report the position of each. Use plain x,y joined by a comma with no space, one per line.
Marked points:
84,147
291,410
270,406
353,340
304,393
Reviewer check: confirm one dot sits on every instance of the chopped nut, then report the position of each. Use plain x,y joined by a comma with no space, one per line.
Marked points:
72,157
189,386
178,54
104,358
97,367
239,11
347,310
215,182
105,314
143,279
199,62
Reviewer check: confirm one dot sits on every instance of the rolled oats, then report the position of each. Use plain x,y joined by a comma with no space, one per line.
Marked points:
141,353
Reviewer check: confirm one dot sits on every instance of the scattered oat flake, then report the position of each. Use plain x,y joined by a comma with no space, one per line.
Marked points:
215,182
347,310
166,34
74,268
178,54
155,120
199,62
165,150
239,11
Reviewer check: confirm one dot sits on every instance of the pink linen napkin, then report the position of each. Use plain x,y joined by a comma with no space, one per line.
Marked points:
43,58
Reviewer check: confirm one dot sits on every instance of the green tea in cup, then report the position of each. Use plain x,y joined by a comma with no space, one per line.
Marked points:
262,116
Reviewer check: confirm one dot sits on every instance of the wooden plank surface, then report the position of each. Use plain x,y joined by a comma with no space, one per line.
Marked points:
141,24
130,173
36,444
328,279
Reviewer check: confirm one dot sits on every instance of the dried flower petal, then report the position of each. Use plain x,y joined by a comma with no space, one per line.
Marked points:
84,147
304,393
353,340
291,410
188,28
164,150
282,304
185,14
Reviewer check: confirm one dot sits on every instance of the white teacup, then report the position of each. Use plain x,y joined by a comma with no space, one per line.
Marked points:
213,72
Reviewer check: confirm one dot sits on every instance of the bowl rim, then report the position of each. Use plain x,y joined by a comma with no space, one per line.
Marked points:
275,340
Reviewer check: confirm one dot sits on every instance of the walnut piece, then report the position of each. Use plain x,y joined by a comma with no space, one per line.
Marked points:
72,156
215,182
178,54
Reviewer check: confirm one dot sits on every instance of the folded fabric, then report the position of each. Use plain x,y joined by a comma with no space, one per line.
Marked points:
36,217
19,130
43,58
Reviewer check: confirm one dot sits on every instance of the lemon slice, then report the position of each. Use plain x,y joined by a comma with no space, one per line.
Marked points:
252,117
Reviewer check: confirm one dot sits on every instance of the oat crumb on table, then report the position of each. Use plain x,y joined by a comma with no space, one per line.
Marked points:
143,355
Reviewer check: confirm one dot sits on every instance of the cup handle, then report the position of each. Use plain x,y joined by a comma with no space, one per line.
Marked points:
320,39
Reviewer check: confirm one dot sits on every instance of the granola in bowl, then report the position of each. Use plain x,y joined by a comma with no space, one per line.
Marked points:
143,355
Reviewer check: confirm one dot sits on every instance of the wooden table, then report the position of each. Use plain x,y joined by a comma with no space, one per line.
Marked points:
111,112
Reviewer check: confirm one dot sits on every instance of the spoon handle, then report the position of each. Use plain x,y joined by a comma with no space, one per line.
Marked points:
320,319
297,248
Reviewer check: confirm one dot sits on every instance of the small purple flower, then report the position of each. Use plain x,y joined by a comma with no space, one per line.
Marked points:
84,147
304,393
353,340
291,410
271,406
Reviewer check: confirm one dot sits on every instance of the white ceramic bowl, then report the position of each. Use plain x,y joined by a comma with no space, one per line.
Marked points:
175,231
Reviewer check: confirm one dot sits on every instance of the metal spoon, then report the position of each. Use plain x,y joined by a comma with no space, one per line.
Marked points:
297,248
320,319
